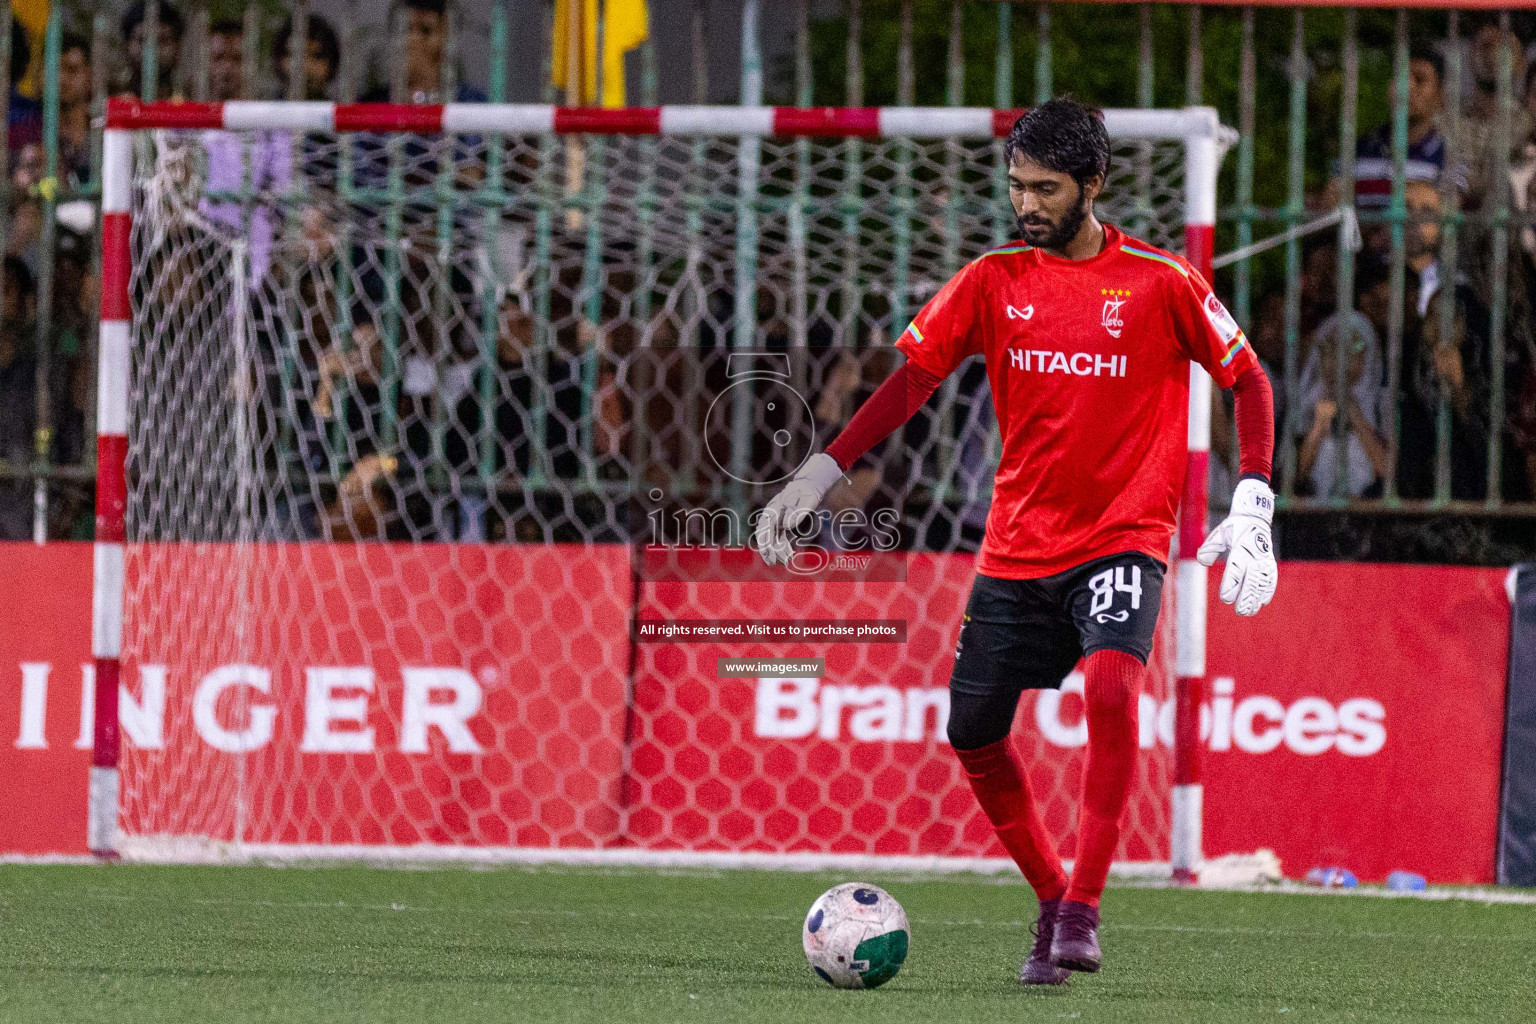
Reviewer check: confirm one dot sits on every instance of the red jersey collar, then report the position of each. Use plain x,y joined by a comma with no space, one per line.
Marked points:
1113,237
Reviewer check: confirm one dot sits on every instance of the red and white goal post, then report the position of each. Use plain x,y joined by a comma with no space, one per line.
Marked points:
300,572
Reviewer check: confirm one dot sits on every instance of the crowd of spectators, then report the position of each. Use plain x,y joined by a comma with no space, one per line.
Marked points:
1416,403
367,341
293,257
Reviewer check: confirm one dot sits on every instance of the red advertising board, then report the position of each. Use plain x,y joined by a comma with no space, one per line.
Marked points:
482,696
1356,721
381,694
856,761
1363,722
45,638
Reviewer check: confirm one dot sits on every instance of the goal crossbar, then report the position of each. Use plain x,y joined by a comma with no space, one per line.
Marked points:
1170,125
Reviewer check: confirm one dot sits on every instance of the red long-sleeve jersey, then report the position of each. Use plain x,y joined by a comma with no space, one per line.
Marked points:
1088,362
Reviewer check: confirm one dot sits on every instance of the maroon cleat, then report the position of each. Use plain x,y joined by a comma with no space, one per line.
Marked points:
1076,943
1038,969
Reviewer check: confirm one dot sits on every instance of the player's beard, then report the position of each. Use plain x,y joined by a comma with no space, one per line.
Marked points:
1055,235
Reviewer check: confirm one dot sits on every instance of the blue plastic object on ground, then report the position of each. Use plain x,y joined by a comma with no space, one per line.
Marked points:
1332,878
1406,881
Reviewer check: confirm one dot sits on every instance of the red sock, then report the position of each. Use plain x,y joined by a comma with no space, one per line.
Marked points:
1111,690
996,774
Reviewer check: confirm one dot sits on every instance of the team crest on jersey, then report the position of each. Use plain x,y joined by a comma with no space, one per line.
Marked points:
1114,301
1221,320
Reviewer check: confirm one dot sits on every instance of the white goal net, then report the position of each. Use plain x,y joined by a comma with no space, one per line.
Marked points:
397,406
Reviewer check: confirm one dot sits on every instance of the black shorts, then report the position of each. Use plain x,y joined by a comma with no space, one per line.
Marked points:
1028,634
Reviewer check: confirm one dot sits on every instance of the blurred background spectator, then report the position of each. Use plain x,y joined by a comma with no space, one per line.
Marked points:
322,60
25,121
423,46
167,51
374,381
75,109
1360,465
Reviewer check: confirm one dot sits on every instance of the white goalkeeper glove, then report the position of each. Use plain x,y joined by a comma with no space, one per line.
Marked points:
1243,539
799,499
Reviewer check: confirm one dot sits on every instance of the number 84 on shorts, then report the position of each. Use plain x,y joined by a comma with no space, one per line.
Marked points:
1119,579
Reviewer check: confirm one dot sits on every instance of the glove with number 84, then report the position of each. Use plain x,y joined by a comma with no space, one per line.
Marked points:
1243,539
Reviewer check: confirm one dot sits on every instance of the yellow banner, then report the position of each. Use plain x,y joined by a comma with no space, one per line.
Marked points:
32,16
625,26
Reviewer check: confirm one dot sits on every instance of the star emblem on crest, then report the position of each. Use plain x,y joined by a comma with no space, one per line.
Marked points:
1114,299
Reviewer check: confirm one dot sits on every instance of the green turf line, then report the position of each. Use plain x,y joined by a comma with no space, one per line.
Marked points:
340,944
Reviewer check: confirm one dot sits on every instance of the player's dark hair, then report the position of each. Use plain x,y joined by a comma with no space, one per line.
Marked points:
318,31
75,41
133,17
1314,244
17,269
227,27
1062,135
1370,273
430,6
21,52
1431,57
1520,23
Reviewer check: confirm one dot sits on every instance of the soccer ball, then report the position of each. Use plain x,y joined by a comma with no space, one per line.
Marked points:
856,936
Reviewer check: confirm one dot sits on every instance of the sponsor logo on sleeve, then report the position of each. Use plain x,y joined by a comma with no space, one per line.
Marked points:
1226,327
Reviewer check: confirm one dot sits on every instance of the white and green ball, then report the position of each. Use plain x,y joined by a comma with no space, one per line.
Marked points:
856,936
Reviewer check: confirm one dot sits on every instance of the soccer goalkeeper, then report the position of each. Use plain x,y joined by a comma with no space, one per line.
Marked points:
1087,335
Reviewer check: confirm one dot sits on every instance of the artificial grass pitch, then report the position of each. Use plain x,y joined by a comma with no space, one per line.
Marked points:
184,944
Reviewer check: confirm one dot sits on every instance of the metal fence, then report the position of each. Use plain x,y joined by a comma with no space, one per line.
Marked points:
1383,167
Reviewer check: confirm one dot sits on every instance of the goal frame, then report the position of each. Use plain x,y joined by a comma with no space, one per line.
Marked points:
1197,128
